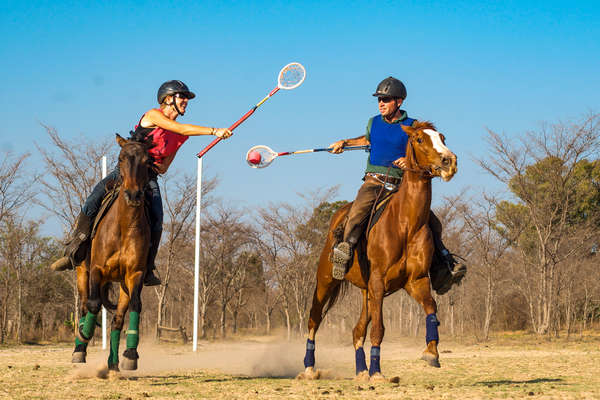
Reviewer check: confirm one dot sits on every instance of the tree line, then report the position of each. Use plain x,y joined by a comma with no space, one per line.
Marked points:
531,248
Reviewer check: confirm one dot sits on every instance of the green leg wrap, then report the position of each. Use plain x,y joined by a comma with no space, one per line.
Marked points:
89,325
77,341
113,356
133,336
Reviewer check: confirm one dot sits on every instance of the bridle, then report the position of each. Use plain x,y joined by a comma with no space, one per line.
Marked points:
424,172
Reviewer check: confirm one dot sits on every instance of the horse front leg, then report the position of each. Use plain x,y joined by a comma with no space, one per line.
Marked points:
80,352
420,290
375,304
359,333
134,286
115,330
94,303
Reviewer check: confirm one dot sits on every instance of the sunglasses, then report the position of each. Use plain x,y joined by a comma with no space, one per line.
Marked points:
384,99
181,96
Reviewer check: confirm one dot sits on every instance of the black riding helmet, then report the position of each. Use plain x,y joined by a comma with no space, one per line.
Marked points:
173,87
390,87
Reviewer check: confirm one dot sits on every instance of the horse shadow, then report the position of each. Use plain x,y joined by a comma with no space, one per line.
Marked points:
519,382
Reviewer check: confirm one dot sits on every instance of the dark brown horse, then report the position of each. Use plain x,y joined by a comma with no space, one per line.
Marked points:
119,253
397,254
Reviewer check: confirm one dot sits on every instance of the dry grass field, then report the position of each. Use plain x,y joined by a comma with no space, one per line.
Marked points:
509,366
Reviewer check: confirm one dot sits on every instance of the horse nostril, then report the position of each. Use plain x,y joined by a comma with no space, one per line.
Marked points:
445,161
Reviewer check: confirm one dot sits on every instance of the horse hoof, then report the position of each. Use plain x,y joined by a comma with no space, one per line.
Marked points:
377,377
78,357
129,365
113,367
362,376
309,374
431,360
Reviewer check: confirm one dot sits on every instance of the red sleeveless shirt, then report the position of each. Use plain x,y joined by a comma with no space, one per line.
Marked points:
165,143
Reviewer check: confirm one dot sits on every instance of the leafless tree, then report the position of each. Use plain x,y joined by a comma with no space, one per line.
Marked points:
16,186
540,170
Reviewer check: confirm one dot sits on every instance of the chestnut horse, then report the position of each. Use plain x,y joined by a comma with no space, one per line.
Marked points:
119,253
397,254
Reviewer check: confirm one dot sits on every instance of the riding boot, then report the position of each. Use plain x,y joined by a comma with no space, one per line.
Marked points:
78,245
343,252
150,279
445,271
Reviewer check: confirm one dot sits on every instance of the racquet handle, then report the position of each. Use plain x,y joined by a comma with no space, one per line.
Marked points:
285,153
238,122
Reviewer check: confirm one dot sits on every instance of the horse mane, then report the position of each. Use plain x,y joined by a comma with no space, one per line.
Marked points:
420,125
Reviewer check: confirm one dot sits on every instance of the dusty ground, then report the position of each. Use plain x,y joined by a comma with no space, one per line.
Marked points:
507,367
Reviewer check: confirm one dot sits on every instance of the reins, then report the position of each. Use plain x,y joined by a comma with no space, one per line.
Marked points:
425,173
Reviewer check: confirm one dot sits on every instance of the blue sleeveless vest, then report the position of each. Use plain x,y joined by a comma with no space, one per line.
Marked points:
388,141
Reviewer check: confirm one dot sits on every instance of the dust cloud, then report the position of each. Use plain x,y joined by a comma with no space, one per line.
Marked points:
253,359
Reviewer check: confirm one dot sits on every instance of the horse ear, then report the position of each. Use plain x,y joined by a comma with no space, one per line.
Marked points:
408,129
120,140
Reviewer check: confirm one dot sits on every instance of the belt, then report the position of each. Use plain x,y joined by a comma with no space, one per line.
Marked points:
384,178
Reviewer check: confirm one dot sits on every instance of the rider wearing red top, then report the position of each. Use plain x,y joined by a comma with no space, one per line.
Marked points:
167,137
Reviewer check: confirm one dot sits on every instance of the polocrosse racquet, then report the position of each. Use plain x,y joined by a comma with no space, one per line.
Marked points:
290,77
262,156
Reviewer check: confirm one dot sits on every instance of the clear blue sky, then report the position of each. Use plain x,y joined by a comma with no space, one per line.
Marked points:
93,68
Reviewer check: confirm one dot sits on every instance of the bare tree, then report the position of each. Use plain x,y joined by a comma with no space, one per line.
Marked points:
540,169
179,203
228,240
16,187
72,170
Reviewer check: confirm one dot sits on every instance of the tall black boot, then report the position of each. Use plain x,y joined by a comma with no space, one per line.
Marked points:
150,279
445,271
78,245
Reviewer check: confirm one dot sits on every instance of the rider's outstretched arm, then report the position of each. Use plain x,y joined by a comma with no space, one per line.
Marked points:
338,147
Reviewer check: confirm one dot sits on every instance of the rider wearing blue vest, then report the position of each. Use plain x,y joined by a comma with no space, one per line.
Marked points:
385,168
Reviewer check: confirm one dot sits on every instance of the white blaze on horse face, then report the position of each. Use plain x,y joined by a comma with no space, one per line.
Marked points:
438,145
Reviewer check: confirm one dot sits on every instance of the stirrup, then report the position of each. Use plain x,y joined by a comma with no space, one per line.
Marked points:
451,275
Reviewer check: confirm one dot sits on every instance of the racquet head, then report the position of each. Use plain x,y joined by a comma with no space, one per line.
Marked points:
260,156
291,76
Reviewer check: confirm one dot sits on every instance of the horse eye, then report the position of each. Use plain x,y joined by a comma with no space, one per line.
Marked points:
419,140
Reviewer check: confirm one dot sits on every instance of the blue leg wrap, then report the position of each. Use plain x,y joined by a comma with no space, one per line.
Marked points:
309,358
374,364
431,324
361,363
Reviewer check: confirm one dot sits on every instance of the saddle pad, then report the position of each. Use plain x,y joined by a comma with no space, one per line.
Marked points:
379,207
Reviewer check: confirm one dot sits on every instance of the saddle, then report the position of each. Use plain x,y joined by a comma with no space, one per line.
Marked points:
361,246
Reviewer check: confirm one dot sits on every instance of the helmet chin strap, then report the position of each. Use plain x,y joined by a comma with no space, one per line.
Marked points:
174,104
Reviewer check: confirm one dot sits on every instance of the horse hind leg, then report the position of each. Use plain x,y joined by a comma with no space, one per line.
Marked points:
325,295
420,290
375,304
80,351
359,334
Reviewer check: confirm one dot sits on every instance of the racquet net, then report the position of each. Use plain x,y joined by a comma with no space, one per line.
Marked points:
291,76
260,156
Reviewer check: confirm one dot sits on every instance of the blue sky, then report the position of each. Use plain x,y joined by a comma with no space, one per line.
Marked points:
92,69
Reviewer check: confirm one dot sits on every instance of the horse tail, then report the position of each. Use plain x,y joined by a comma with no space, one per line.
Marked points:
338,292
104,297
